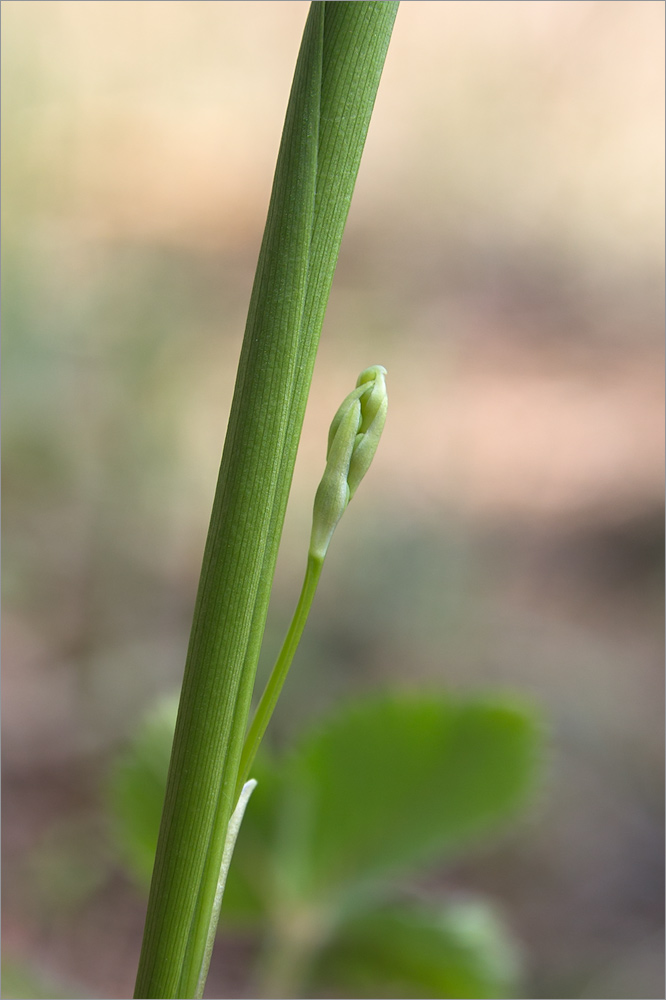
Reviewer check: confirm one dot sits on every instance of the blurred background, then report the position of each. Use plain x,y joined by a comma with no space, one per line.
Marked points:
504,261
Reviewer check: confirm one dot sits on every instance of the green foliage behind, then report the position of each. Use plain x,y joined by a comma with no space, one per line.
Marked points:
376,792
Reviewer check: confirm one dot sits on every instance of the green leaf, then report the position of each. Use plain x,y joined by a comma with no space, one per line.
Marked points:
459,951
397,782
136,789
335,83
135,796
21,982
384,786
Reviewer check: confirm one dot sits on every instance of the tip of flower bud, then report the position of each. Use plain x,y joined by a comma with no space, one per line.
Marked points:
374,404
370,374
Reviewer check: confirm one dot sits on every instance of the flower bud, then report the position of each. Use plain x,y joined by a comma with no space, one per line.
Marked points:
352,442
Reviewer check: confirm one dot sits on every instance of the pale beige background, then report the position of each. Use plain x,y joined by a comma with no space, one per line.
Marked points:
504,261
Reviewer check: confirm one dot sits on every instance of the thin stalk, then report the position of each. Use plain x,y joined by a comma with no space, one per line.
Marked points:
352,441
279,673
289,954
335,83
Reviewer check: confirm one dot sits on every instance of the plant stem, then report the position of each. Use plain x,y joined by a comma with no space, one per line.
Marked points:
352,441
290,951
335,83
280,670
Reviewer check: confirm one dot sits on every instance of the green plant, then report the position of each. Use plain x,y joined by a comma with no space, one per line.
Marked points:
335,83
370,796
352,441
387,786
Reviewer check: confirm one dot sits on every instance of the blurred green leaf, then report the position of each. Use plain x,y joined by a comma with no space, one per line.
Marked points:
458,951
136,789
21,982
64,869
396,782
383,787
136,794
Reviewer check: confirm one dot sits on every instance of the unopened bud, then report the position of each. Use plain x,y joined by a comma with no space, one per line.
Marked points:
352,442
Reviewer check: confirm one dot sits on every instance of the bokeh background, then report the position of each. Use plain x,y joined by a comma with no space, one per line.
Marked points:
504,261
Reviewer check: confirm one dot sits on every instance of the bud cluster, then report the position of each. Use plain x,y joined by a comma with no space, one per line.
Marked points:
352,442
